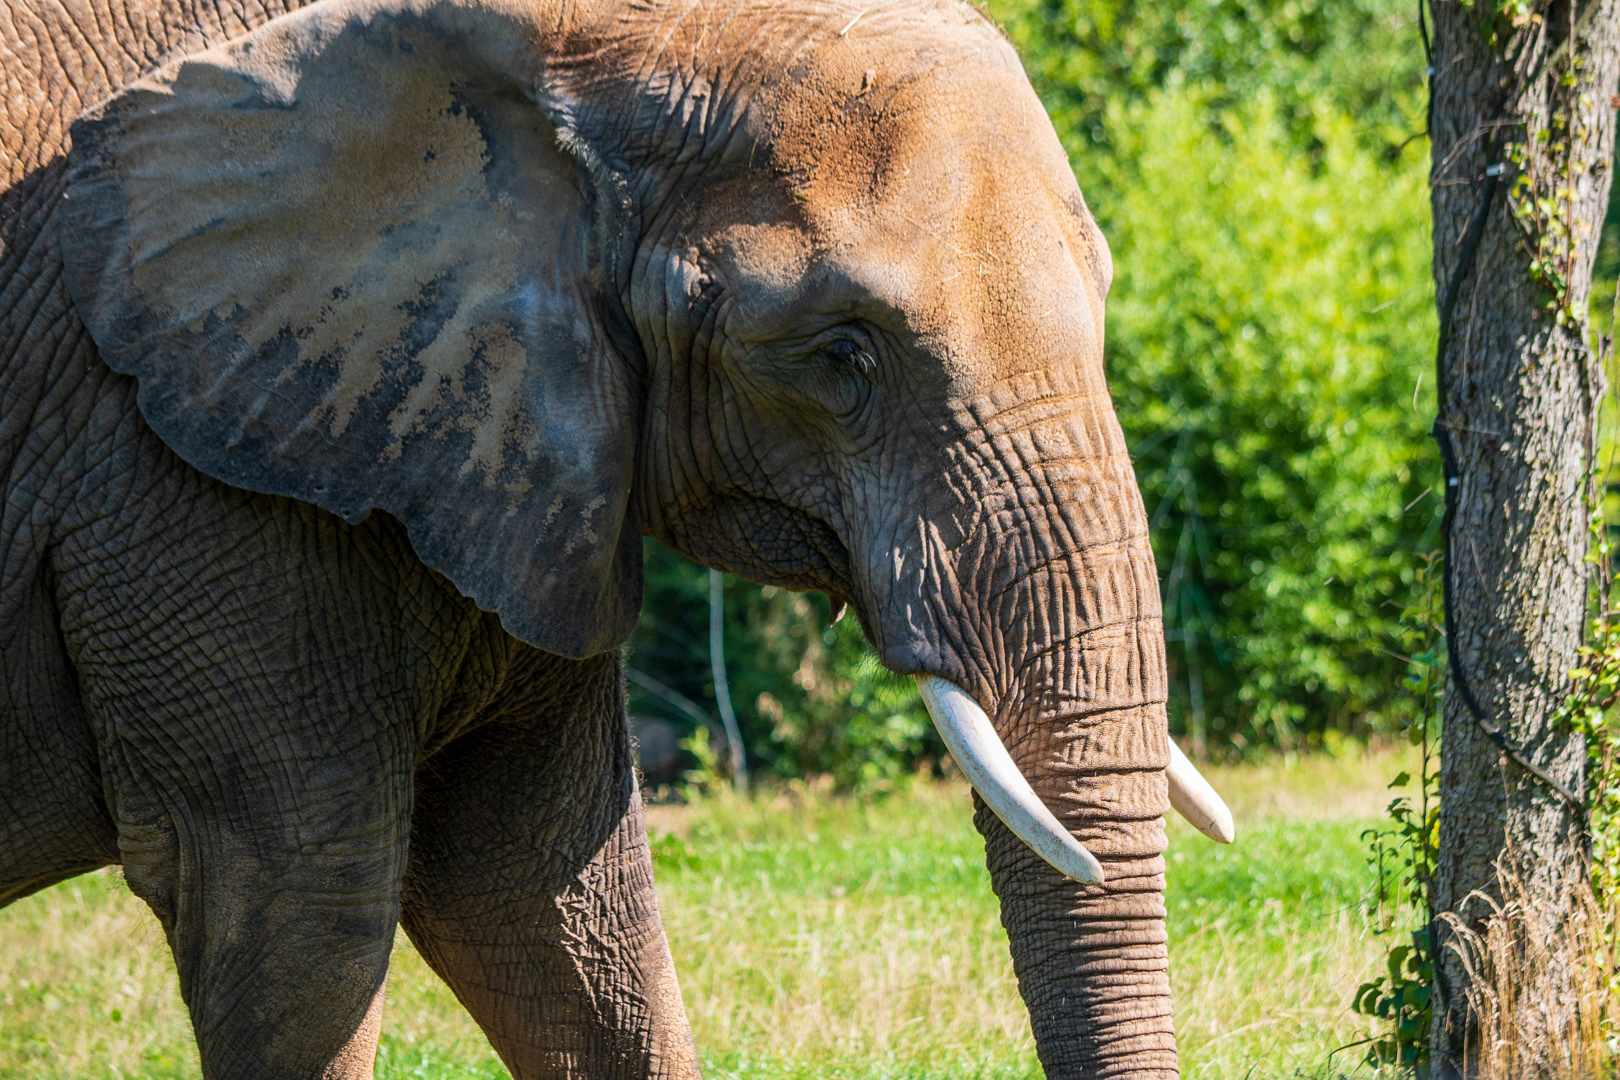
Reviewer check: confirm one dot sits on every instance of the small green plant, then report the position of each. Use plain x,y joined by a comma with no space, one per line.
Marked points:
1402,998
706,777
1402,853
1590,709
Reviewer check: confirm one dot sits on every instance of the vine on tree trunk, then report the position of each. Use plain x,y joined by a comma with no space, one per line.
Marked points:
1590,709
1542,195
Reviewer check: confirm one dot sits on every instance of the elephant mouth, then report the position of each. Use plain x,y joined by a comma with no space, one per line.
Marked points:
972,740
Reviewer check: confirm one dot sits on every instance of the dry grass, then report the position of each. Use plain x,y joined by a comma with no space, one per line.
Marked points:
1278,1014
819,937
1524,950
1267,938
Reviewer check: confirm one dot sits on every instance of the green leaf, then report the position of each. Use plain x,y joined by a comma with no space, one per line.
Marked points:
1397,957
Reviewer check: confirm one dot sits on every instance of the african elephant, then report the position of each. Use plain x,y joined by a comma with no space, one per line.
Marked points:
348,352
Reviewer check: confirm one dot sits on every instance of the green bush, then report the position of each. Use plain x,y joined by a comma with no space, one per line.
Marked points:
1269,336
810,698
1360,58
1270,321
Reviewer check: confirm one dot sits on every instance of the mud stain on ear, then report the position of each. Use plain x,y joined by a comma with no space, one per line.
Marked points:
497,412
390,182
349,263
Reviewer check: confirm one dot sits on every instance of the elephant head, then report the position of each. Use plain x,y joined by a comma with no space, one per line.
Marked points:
806,291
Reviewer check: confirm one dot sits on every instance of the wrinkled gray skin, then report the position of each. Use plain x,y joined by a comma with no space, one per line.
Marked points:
344,367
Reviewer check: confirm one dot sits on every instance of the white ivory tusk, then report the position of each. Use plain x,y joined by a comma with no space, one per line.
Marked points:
982,757
1196,801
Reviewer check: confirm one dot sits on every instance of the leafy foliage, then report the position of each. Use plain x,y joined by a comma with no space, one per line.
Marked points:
811,698
1270,329
1403,852
1401,997
1358,58
1270,325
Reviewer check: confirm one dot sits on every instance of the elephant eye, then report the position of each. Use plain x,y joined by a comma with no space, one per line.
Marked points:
850,353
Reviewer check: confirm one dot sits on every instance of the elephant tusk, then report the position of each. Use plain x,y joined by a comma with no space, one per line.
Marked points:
1196,801
980,754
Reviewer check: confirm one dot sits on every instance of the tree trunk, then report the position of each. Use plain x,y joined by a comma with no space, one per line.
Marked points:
1522,156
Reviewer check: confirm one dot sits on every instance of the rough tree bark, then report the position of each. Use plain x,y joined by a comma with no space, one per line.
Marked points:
1522,125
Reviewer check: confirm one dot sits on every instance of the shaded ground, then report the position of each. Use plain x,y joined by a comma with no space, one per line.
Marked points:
819,937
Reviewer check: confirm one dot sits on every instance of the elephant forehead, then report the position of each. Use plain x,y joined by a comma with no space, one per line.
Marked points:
949,198
995,283
886,161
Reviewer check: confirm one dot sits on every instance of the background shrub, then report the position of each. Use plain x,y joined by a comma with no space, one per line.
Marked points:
1270,330
810,698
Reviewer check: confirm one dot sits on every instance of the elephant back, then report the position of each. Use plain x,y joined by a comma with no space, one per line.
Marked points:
62,58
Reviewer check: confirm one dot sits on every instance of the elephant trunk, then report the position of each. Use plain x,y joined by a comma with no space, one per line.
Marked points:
1084,718
1058,635
1091,961
1082,710
1090,958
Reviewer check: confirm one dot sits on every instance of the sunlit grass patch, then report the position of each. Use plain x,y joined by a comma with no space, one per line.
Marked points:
427,1035
818,937
860,937
87,987
827,937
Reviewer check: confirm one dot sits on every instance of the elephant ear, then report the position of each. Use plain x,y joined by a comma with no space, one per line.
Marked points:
350,261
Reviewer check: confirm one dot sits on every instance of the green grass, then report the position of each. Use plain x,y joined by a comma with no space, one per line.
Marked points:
819,937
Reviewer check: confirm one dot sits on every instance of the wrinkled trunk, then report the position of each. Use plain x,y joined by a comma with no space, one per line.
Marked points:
1091,961
1085,720
1069,662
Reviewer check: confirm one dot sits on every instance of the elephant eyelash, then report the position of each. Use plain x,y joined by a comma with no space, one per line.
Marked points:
851,354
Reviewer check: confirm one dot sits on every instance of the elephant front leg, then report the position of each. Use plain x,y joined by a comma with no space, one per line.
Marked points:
278,890
529,888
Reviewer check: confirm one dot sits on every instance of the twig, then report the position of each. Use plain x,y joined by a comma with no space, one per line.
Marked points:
673,697
722,692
